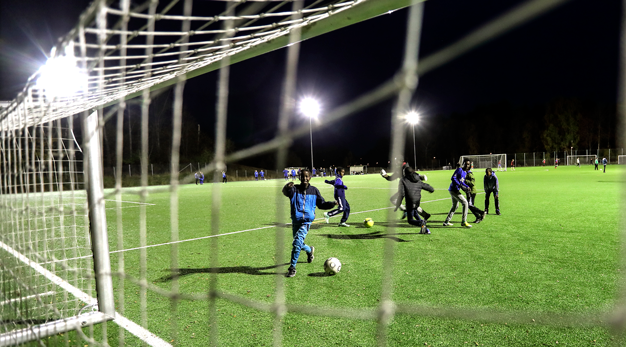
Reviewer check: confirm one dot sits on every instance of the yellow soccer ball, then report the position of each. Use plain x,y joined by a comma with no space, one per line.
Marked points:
368,222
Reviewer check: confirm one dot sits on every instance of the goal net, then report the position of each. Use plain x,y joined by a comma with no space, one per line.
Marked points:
621,159
586,159
56,269
483,161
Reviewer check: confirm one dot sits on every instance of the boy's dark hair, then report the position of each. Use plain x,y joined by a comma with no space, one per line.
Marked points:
303,170
488,170
458,165
408,171
340,168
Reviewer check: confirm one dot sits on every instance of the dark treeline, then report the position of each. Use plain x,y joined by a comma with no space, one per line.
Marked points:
500,127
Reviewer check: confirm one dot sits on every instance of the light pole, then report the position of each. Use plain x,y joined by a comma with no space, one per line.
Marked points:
412,118
310,108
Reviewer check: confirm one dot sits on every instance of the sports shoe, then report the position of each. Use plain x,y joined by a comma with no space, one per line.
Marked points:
447,224
404,215
466,224
310,256
342,225
478,220
291,272
426,216
326,217
426,231
498,213
486,211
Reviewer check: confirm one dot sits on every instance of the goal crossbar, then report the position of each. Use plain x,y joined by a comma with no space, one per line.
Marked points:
484,161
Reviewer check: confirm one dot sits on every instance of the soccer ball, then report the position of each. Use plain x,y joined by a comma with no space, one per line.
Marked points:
332,266
368,223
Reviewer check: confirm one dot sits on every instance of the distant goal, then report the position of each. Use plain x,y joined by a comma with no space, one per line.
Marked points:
483,161
621,159
587,159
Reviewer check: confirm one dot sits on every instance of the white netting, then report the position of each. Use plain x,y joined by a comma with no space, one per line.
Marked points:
46,269
125,51
621,159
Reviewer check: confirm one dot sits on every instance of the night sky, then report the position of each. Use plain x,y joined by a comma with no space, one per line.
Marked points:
571,52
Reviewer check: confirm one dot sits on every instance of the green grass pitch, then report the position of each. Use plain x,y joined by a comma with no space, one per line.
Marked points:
554,249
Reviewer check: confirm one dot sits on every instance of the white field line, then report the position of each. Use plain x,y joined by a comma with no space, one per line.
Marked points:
132,202
143,334
25,298
225,234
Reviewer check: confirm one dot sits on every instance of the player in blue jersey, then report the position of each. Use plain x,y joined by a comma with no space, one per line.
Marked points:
262,175
303,200
458,184
314,172
491,185
224,179
340,197
201,177
197,175
286,173
256,175
293,174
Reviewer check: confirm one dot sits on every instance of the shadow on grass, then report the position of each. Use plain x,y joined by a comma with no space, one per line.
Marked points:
248,270
288,226
319,274
369,236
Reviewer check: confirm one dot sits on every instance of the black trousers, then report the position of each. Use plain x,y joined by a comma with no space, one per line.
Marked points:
475,210
495,198
596,167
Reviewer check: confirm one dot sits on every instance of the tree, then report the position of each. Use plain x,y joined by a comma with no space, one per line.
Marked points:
561,121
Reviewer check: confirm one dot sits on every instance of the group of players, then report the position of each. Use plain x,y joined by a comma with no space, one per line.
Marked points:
304,198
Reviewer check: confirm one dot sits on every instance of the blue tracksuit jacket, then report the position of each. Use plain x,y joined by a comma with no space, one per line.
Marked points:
458,180
340,188
303,202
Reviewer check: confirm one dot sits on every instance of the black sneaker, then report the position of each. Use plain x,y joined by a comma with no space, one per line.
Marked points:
426,215
498,213
478,220
291,272
310,256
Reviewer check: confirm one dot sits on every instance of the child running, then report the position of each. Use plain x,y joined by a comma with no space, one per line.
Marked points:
410,188
340,197
304,198
458,183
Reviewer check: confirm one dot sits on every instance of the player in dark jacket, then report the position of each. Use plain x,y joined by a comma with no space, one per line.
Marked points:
410,188
491,185
340,197
471,194
303,199
394,197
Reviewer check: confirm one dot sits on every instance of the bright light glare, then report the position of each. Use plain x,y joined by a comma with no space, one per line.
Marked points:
61,77
412,117
310,107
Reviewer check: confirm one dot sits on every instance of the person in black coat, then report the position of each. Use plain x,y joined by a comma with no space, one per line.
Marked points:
410,188
394,198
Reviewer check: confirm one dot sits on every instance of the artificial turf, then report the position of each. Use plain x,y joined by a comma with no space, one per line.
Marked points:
554,249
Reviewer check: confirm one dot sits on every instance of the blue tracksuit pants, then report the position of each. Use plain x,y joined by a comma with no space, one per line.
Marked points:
414,218
342,207
299,229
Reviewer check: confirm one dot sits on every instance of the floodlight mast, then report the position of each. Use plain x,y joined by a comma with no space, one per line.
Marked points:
413,118
311,109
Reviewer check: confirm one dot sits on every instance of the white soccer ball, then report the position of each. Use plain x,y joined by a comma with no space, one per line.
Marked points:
332,266
425,178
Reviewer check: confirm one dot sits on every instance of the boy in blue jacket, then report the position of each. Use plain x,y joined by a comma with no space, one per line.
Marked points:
458,184
491,185
340,197
304,198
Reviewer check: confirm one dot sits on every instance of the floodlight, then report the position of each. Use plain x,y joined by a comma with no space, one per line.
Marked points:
61,77
310,107
412,117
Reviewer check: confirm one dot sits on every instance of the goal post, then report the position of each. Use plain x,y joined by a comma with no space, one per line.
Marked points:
498,162
621,159
584,159
54,267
